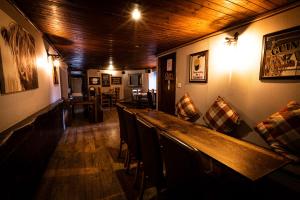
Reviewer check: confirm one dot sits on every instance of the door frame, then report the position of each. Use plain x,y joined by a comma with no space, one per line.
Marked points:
160,79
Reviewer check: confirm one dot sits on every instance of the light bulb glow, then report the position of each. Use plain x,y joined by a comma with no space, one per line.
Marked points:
56,63
136,14
110,66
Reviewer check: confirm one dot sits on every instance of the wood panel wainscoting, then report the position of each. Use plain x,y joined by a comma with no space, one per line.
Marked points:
25,149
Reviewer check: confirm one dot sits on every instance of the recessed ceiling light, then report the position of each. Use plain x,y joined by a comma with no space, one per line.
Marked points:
136,14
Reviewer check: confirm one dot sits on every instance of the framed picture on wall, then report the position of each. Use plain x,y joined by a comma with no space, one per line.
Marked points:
116,80
55,76
281,55
18,68
94,80
198,67
105,80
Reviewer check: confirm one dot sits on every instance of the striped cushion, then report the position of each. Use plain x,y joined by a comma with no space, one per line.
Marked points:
282,131
186,109
221,117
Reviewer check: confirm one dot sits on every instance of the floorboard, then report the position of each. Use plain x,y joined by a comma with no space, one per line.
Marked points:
85,164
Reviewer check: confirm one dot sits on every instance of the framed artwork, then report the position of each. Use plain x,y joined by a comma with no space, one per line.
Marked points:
135,79
281,55
94,80
198,67
105,80
18,70
116,80
55,76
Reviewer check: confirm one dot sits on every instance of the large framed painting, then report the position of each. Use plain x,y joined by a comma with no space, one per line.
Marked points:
198,67
18,70
281,55
105,80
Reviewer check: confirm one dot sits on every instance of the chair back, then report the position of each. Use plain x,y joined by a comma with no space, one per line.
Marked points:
150,99
92,92
131,129
117,92
182,169
123,131
150,151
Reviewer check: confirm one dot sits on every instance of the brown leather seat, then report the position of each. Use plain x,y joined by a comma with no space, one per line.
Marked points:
151,157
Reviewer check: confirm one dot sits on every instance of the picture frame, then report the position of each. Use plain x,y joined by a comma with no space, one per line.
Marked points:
94,80
116,80
135,80
55,76
198,67
15,38
280,57
105,80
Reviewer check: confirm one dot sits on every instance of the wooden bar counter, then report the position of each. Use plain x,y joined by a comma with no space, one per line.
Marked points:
243,157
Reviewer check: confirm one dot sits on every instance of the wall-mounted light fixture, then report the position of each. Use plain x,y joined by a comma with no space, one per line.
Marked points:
55,59
232,40
55,62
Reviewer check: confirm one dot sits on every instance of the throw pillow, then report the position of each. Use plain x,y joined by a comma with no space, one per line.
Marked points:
221,117
186,109
281,131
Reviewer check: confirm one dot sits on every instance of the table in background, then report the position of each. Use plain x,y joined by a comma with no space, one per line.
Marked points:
92,104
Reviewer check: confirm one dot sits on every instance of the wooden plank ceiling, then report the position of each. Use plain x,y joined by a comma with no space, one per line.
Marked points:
88,33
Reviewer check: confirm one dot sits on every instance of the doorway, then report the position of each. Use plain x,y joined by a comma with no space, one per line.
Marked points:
166,83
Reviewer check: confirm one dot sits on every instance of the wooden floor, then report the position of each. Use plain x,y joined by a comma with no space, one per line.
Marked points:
85,164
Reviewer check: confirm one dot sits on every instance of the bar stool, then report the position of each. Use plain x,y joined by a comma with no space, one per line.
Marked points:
152,170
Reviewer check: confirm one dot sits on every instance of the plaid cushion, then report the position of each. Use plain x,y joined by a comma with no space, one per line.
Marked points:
282,131
221,117
186,109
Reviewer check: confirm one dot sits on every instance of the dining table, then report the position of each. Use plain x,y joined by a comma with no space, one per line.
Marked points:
248,159
90,103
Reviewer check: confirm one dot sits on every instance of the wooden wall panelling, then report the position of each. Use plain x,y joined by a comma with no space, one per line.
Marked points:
26,150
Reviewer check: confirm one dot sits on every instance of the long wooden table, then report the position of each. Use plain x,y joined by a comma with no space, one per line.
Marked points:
250,160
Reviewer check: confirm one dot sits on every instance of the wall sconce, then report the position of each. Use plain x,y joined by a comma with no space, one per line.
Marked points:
232,40
55,61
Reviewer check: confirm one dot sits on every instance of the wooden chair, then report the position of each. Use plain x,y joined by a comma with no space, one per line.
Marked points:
116,95
183,172
133,142
105,100
150,100
150,153
122,124
92,93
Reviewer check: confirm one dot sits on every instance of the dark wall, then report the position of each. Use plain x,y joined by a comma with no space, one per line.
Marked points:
25,150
